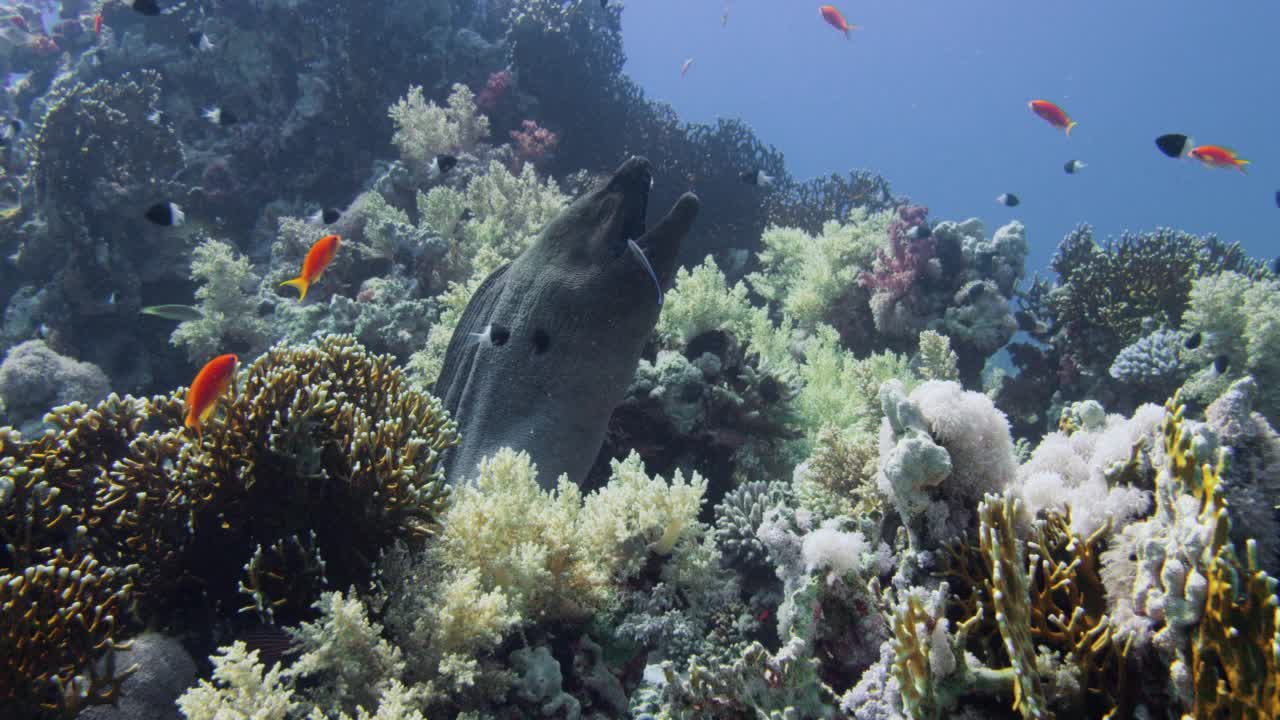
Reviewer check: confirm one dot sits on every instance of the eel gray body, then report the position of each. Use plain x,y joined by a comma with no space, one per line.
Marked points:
562,328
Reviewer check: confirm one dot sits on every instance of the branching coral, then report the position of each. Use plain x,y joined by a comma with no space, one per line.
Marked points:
935,360
1234,652
1010,599
839,478
1104,293
301,449
57,618
307,436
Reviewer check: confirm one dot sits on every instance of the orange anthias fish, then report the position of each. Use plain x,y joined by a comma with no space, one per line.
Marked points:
318,258
208,387
836,20
1218,156
684,67
1055,115
97,24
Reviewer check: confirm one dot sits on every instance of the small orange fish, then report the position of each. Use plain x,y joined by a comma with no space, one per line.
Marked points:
684,67
97,24
1053,114
836,20
208,387
1218,156
318,258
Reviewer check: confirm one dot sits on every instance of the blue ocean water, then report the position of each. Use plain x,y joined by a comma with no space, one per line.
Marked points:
933,95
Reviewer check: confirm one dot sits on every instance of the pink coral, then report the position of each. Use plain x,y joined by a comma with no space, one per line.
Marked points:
533,142
897,272
494,90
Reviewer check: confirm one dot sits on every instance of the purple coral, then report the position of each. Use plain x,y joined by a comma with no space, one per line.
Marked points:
897,272
533,143
494,90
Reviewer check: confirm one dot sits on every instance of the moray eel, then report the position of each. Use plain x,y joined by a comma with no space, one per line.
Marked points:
547,346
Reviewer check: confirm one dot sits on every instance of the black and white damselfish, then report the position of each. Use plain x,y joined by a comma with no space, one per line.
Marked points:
1174,145
166,214
1008,200
200,41
756,177
327,216
10,130
440,165
219,115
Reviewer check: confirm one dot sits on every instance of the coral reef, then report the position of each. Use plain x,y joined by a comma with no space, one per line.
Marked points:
850,529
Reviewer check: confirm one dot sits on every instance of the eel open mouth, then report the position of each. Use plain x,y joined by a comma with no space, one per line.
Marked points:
633,181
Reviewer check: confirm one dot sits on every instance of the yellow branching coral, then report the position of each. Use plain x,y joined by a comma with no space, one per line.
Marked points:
322,437
1235,649
911,659
1068,604
930,663
1009,592
56,618
840,478
935,359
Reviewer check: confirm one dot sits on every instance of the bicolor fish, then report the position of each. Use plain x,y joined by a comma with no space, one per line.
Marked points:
166,214
1218,156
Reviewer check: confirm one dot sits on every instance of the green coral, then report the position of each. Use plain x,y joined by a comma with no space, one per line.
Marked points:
839,478
424,129
809,277
554,555
935,360
1239,317
843,391
702,301
228,300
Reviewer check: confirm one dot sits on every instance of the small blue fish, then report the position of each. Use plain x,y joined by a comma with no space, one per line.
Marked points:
635,250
